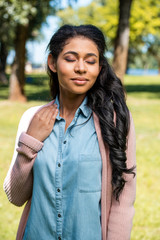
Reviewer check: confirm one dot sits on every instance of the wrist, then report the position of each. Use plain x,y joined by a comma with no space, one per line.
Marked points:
34,135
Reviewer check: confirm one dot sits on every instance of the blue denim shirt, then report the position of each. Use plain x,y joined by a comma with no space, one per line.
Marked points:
66,194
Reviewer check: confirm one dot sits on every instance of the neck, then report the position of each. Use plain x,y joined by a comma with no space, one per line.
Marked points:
69,103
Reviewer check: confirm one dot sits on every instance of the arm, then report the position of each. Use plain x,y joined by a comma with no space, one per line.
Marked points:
13,193
122,212
19,181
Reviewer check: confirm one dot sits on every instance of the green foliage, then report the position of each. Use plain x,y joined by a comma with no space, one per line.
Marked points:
22,12
19,11
145,33
31,13
142,60
106,18
143,99
144,21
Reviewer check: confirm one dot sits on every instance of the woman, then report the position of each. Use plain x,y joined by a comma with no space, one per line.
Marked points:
75,161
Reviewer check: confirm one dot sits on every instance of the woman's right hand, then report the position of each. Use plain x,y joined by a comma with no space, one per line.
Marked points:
42,123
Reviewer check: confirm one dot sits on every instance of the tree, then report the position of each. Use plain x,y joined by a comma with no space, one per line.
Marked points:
27,15
122,38
105,16
3,58
24,16
145,32
6,36
17,78
153,48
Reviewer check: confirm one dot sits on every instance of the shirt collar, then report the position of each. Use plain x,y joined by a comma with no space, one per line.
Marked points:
84,108
86,111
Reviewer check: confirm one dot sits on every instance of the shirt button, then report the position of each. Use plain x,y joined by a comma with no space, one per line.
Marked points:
59,165
58,190
65,142
59,215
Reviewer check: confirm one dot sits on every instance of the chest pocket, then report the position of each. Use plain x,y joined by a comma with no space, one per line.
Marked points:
89,173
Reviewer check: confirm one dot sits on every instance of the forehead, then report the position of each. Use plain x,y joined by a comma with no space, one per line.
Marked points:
81,45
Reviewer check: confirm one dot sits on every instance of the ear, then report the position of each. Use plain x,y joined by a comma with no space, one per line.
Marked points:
51,63
100,67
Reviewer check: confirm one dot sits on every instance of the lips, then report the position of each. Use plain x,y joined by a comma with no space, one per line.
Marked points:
79,80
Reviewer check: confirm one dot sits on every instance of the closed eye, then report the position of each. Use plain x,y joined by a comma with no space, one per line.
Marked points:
73,60
91,62
70,60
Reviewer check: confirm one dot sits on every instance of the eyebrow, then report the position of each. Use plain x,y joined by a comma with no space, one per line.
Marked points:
76,54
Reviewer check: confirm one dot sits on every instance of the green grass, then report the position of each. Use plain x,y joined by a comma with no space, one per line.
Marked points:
144,102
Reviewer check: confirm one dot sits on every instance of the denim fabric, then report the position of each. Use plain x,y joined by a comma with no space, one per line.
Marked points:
67,182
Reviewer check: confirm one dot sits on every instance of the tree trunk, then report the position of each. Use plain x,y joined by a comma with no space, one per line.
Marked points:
17,78
122,39
3,58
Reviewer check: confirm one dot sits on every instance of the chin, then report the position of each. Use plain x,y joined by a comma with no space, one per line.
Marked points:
80,92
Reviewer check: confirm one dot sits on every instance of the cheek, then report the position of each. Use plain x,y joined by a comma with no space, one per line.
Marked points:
63,71
94,73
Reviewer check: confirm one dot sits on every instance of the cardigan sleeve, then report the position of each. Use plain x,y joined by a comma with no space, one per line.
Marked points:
122,212
18,182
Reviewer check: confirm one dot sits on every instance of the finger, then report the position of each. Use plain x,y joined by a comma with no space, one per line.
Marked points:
45,115
53,117
50,114
50,103
43,108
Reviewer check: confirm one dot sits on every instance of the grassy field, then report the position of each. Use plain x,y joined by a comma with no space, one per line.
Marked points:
144,102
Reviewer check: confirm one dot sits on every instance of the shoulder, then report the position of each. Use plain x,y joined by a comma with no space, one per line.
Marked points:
28,115
30,112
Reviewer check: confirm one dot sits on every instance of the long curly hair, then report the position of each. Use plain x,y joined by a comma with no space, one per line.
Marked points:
106,98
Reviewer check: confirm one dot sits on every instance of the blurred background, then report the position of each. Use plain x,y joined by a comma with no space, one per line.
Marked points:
132,31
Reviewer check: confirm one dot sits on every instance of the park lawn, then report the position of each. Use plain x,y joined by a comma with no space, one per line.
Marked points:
143,99
145,107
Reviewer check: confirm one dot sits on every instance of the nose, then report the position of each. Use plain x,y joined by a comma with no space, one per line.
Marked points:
80,66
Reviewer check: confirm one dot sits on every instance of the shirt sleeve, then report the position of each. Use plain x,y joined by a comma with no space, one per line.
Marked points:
122,212
19,180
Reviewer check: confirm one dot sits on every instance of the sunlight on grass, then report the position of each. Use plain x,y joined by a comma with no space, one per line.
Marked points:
143,99
145,107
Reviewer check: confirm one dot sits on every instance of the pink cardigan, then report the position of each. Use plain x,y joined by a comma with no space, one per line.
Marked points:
116,217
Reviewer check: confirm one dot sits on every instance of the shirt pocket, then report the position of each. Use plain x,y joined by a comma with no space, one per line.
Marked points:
89,173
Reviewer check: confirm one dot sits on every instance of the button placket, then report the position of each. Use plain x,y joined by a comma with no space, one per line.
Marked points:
62,147
59,181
